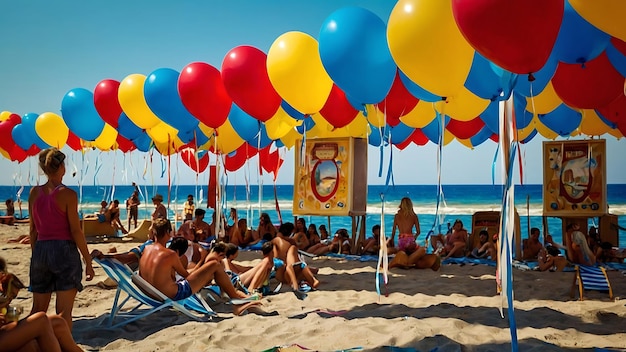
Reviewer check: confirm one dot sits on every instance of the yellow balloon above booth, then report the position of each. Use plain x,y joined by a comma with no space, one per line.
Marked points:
545,102
607,15
107,138
295,69
422,114
51,128
463,106
131,98
428,47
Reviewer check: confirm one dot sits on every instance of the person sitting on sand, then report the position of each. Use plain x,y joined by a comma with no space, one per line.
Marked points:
372,244
232,252
290,269
265,226
323,233
299,235
531,246
251,278
404,221
578,250
113,214
550,258
339,244
452,244
484,249
158,265
196,230
37,332
312,235
10,207
160,212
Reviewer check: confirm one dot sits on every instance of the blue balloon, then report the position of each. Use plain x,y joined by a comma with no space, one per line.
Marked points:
185,136
433,130
261,140
578,40
562,120
617,59
21,137
489,81
291,111
481,136
29,120
354,51
143,142
279,143
201,138
245,125
400,132
417,91
542,77
378,136
491,117
80,115
605,120
127,128
523,117
161,92
307,124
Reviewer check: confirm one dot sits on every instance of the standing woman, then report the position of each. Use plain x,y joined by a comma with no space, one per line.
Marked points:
56,238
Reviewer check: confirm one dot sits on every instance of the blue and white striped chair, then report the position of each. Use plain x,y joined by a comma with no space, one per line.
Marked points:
591,278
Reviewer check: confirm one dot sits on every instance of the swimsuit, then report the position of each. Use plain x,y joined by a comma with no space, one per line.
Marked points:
278,263
184,290
406,242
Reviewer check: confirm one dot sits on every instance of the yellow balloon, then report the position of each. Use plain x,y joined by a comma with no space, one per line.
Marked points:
545,102
227,139
466,142
607,15
5,154
375,116
208,131
295,69
616,133
358,128
545,131
162,133
427,45
106,140
463,106
51,128
291,138
592,124
4,115
422,114
133,102
280,124
448,137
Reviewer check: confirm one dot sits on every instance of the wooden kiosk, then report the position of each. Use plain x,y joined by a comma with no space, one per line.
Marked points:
330,179
574,185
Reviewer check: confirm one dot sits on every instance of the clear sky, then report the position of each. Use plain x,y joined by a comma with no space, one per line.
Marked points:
50,47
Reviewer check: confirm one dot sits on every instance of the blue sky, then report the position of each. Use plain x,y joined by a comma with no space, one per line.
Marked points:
50,47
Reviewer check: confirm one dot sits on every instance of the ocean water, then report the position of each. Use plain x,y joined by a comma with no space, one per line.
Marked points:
459,202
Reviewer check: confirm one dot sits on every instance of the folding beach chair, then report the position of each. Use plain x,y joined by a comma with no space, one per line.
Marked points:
136,287
591,278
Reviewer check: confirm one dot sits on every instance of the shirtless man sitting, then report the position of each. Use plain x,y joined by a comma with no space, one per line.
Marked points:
531,246
197,229
158,265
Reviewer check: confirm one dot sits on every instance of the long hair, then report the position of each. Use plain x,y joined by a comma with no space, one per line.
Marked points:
406,207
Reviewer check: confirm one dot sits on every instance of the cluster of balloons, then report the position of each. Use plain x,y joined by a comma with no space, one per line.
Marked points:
435,71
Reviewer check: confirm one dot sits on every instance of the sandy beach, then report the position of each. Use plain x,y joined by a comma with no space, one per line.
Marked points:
454,309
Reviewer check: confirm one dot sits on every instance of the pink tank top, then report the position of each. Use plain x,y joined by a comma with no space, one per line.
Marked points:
51,222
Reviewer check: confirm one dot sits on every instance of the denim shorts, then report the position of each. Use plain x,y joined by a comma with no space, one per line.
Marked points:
55,266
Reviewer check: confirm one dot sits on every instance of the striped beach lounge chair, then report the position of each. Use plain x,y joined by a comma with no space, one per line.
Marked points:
591,278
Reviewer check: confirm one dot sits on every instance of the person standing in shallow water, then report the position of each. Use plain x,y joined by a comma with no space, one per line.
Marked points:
57,240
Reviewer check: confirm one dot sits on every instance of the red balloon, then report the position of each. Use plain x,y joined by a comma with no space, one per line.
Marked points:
74,142
418,137
189,158
398,102
124,144
6,126
244,73
270,161
465,129
202,92
589,86
619,44
517,35
616,113
337,110
234,161
105,100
